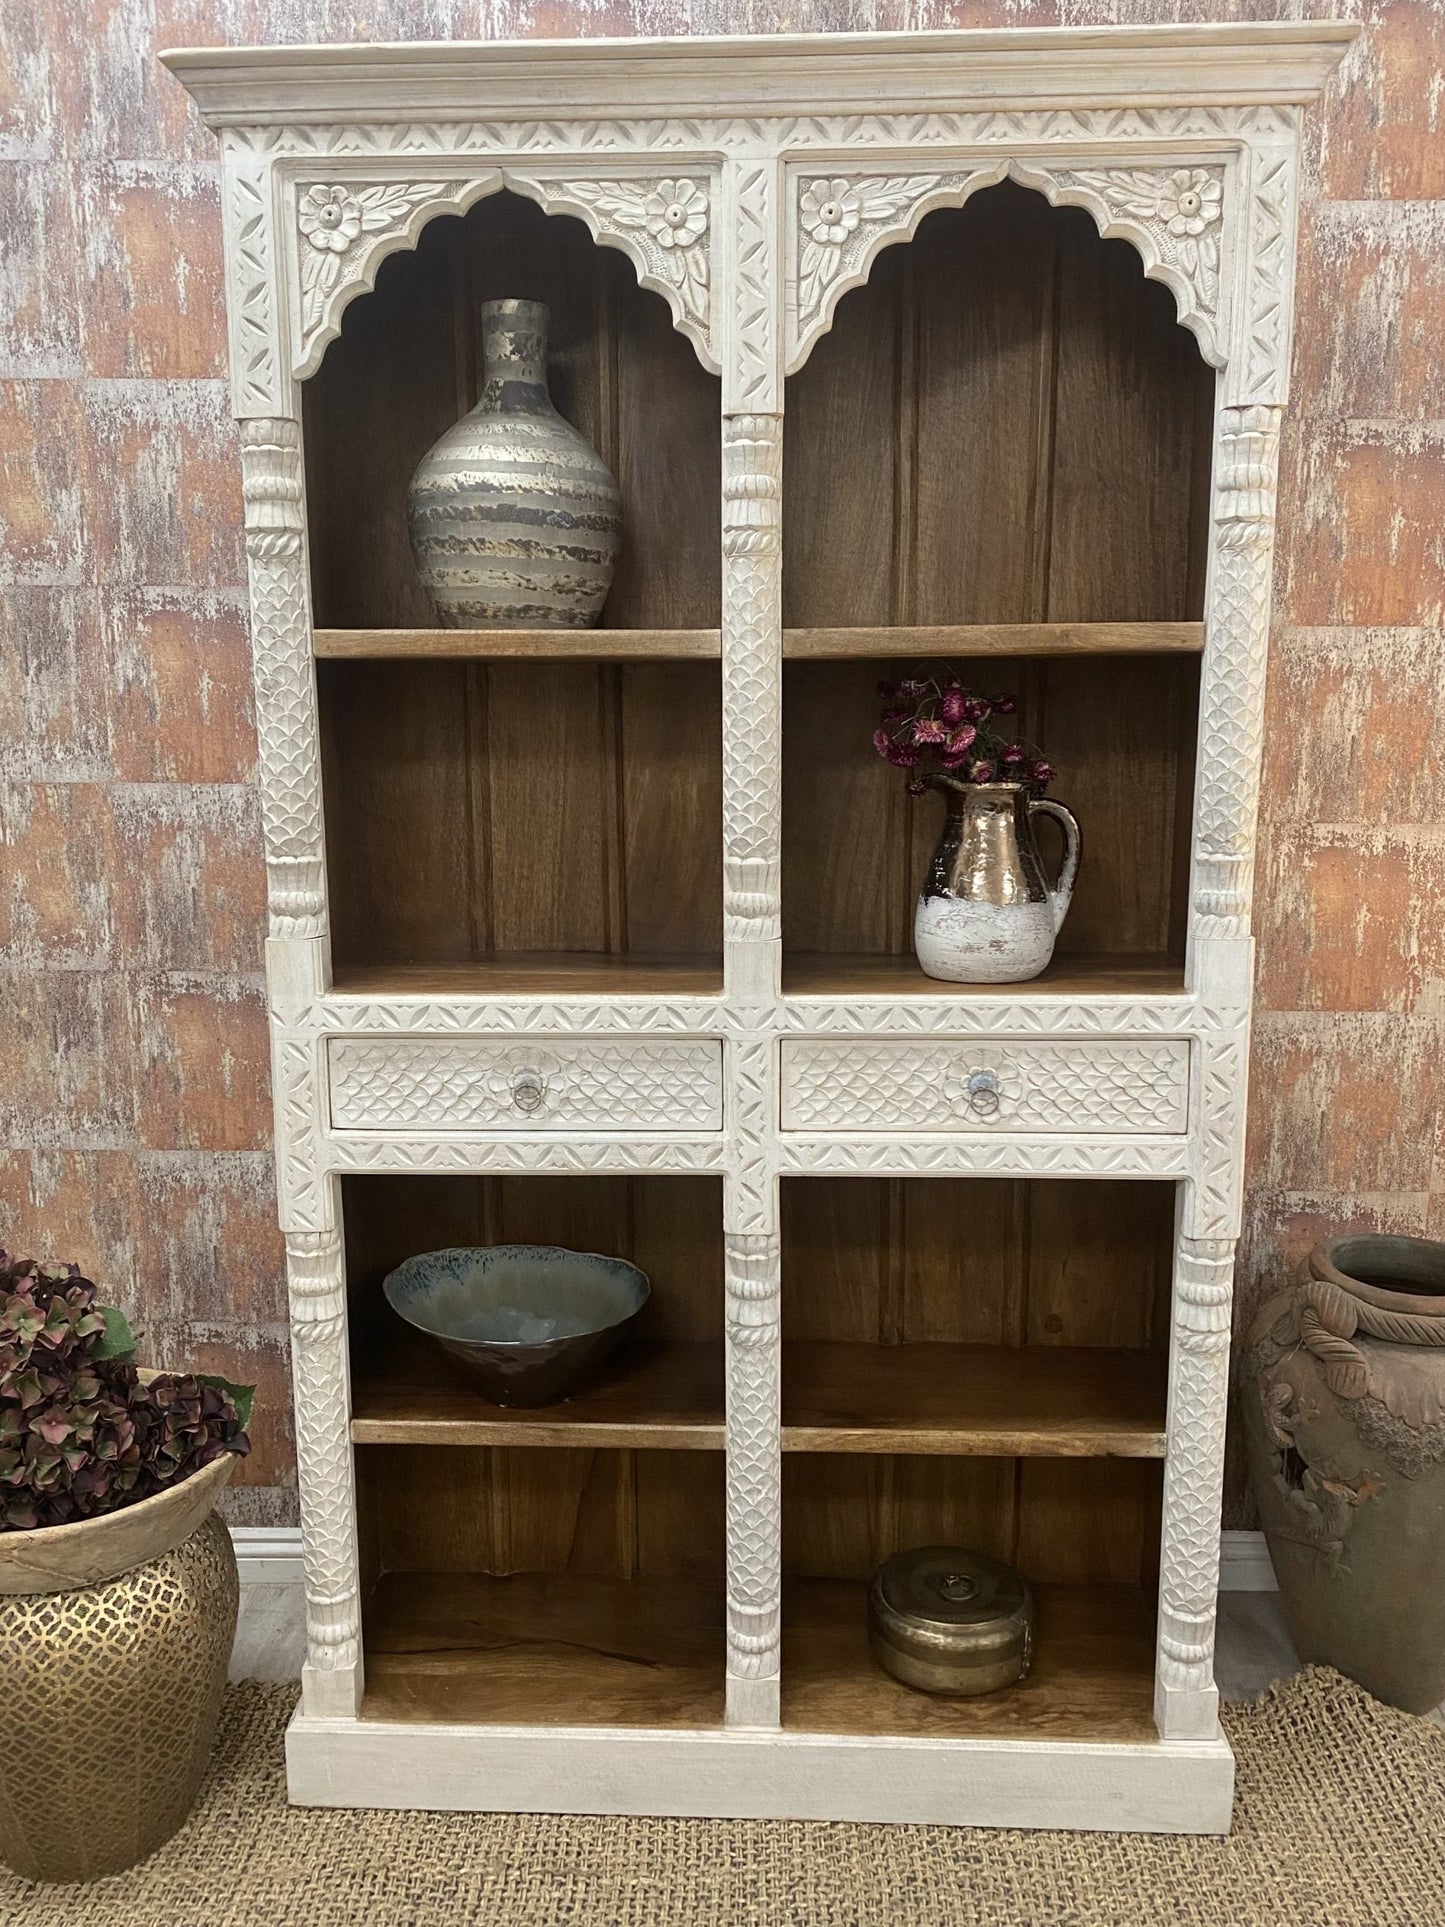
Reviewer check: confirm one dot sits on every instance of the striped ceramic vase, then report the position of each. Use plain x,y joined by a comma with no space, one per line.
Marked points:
515,521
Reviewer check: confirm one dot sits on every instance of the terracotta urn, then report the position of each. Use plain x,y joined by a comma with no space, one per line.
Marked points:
1343,1394
115,1635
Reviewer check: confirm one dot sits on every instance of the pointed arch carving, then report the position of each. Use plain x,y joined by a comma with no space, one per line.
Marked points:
344,227
1172,214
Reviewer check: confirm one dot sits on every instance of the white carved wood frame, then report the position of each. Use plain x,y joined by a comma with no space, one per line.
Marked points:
752,229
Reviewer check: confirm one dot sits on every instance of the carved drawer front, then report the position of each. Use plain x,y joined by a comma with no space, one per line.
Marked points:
482,1084
979,1085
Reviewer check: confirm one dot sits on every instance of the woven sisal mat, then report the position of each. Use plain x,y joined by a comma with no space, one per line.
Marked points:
1340,1822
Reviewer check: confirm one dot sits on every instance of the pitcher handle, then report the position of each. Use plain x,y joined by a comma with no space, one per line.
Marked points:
1063,891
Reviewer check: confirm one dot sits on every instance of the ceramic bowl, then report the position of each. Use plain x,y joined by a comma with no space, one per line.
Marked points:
528,1324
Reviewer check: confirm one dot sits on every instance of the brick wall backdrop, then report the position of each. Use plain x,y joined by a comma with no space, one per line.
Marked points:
133,1082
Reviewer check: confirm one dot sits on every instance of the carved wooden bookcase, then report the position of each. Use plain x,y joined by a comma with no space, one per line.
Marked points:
768,1093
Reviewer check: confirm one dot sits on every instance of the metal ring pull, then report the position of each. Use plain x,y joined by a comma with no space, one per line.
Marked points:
529,1091
983,1093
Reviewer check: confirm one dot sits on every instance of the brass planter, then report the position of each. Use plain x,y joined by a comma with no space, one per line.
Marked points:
111,1693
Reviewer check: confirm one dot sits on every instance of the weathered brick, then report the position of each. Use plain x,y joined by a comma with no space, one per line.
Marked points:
40,313
190,887
1346,1101
42,527
52,657
68,1044
162,483
55,888
1370,305
1384,137
1364,540
1349,918
180,687
151,251
76,1207
201,1070
1355,731
206,1239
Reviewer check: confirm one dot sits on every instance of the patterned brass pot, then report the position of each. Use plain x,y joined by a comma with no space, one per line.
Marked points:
1343,1399
110,1695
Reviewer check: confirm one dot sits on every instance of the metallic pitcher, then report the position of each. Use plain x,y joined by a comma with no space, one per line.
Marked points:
987,914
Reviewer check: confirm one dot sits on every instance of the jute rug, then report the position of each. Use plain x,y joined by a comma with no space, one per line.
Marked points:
1340,1822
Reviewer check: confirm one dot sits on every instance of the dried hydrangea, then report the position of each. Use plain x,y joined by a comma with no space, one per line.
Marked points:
79,1434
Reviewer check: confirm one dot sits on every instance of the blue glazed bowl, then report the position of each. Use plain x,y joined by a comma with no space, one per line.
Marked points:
528,1324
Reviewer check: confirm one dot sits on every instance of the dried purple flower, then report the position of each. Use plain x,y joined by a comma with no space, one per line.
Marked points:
911,689
79,1434
976,708
882,741
982,771
928,729
952,706
962,738
1042,772
915,786
1004,705
1012,755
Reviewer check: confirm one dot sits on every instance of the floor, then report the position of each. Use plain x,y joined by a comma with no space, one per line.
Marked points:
1252,1648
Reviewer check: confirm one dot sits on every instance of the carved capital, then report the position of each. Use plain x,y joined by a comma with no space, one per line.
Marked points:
752,484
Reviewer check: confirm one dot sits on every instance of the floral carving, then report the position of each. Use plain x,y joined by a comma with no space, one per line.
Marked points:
663,225
843,220
1181,211
331,220
677,214
1190,201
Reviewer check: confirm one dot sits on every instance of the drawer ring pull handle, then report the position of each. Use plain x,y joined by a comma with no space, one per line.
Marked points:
983,1093
529,1091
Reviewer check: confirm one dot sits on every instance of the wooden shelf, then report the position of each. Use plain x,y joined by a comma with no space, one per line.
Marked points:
545,1649
805,645
999,639
535,974
1092,1675
560,645
967,1400
981,1401
849,974
663,1396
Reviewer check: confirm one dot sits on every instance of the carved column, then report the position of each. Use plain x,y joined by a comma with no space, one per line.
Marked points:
754,1391
752,700
752,581
331,1681
1231,725
1186,1701
285,676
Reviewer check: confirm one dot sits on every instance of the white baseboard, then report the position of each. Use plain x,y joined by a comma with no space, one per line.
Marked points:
1244,1563
271,1556
268,1555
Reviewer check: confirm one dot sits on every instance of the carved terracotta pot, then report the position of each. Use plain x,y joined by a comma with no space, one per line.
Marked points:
115,1635
1343,1391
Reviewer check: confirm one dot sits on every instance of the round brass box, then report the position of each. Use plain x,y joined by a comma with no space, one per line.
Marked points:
947,1620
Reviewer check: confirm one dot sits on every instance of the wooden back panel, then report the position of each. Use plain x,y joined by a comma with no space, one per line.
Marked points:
469,1509
472,807
976,1261
1005,424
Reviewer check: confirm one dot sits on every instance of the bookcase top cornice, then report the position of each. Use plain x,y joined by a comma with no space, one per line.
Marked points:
769,76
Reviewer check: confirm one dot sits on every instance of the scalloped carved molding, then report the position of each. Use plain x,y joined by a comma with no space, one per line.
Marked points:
346,227
1172,214
1186,1701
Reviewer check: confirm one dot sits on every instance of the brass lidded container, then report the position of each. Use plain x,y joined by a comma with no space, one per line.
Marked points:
948,1620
